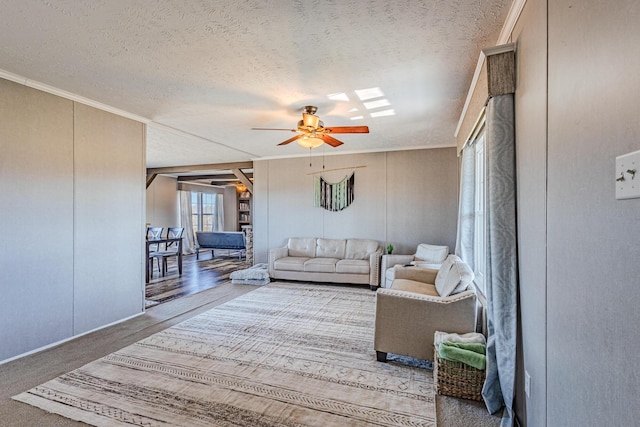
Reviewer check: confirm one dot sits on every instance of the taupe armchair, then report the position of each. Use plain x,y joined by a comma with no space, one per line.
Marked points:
430,256
410,312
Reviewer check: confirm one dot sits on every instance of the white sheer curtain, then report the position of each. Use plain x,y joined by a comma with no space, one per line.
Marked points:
466,212
219,225
186,221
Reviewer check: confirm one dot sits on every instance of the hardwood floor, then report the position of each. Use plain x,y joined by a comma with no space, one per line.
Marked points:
197,276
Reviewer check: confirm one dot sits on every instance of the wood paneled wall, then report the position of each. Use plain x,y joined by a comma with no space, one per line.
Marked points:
72,191
403,197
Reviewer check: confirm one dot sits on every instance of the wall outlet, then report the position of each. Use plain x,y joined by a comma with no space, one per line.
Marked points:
527,383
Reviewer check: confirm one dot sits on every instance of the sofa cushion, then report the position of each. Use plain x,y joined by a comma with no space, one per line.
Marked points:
353,266
302,247
320,265
289,263
454,276
414,286
360,248
431,253
330,248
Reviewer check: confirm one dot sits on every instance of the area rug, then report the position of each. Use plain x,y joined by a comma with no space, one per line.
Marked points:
284,354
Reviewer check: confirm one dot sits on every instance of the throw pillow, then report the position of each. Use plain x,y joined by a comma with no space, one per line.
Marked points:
443,272
466,277
455,279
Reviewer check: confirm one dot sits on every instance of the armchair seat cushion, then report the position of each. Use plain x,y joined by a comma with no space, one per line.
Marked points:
415,287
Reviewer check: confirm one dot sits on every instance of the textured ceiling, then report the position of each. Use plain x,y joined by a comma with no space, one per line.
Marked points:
205,72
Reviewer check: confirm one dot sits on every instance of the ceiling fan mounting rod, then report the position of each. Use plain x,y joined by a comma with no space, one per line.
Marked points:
310,109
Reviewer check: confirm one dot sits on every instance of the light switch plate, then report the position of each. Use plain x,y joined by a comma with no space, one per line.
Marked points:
628,175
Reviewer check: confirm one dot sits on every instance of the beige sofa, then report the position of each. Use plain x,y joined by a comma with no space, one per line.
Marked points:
313,259
420,302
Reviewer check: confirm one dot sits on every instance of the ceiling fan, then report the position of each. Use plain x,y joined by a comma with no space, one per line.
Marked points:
312,132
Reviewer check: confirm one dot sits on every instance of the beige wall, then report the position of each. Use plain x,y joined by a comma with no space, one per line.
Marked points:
162,202
592,249
72,185
576,110
404,198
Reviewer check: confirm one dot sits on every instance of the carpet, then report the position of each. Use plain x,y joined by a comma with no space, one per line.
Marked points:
282,355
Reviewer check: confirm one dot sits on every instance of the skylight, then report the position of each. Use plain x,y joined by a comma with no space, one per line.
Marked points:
372,98
376,104
390,112
341,96
373,92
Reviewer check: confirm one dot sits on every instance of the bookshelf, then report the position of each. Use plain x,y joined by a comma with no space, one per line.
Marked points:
244,209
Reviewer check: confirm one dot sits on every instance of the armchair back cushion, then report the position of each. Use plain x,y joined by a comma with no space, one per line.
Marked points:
302,247
431,254
453,277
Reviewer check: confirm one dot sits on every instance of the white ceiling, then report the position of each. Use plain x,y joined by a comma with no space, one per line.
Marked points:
203,73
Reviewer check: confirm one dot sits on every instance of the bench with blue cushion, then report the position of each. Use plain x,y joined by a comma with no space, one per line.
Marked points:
229,240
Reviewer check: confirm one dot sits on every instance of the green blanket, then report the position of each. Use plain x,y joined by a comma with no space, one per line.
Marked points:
472,354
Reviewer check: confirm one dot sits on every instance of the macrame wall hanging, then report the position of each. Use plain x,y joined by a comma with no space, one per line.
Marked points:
333,197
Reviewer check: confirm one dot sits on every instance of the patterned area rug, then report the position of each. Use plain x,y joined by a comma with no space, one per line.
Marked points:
282,355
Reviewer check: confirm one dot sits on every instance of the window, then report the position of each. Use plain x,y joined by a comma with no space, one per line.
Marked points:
480,218
203,211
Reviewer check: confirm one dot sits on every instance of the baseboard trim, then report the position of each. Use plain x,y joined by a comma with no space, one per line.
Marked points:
57,343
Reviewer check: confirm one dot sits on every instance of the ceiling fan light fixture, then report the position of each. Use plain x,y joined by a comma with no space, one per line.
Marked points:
310,142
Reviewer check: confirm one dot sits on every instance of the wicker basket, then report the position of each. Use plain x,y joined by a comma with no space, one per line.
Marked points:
457,379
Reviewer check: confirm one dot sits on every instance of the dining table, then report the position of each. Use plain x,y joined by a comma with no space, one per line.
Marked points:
160,241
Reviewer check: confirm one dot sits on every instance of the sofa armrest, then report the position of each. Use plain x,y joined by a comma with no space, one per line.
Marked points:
374,268
275,254
406,322
424,275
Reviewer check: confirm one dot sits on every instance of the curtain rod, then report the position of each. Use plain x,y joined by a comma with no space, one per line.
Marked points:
336,169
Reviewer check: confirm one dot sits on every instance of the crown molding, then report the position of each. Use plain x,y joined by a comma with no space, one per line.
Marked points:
71,96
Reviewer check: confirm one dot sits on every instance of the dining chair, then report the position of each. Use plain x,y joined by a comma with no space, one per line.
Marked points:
154,233
170,248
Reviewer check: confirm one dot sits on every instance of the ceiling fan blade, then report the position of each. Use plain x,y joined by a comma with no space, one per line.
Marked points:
291,140
348,129
331,140
290,130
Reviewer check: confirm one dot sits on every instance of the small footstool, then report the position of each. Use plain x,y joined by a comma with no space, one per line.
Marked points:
256,275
